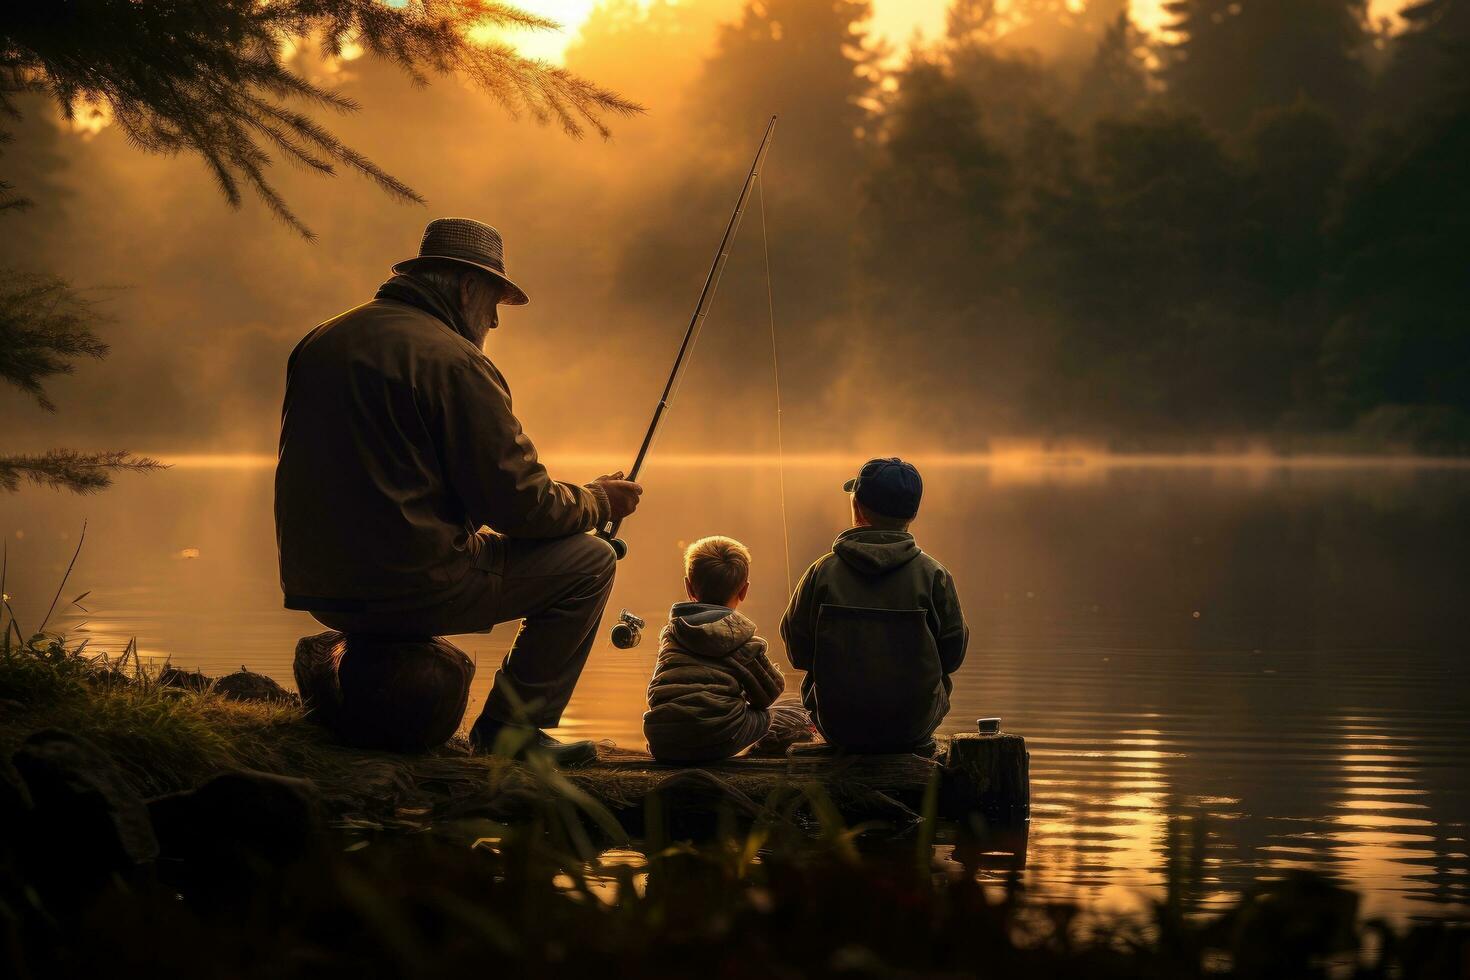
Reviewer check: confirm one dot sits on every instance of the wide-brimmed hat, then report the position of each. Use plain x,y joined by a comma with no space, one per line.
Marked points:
469,242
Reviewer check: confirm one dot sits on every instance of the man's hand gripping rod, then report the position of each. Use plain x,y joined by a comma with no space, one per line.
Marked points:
609,531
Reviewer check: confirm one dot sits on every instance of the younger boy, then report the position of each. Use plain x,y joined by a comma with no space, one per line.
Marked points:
714,688
876,623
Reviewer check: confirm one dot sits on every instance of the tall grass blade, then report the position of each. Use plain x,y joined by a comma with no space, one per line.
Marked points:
62,584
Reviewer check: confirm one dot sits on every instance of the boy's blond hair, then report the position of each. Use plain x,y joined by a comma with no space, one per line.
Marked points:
716,567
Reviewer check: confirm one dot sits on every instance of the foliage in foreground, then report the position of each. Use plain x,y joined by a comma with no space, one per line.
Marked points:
168,734
427,906
166,738
535,897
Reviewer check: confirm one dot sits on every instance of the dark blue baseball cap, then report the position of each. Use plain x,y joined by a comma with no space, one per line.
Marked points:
888,487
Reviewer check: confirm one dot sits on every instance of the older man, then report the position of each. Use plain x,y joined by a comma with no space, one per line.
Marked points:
409,501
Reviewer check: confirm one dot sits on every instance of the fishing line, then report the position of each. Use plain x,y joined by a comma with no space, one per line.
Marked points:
776,375
609,530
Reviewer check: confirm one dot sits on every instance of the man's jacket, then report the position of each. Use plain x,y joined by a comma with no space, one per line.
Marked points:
397,443
710,686
876,624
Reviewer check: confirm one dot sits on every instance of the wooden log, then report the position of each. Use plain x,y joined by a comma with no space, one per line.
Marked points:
411,791
395,693
884,788
630,775
988,775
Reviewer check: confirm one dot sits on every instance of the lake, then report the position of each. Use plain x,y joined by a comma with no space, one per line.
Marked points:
1278,650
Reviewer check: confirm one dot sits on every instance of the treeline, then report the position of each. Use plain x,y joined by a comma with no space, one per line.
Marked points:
1254,222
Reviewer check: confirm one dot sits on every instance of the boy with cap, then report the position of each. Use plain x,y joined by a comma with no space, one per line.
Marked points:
876,623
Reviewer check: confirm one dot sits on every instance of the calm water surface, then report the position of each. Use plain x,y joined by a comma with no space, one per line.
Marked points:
1279,649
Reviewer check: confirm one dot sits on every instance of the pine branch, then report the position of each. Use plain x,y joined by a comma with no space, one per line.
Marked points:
65,469
44,326
211,78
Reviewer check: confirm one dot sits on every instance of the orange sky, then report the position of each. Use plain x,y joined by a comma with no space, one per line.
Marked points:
895,19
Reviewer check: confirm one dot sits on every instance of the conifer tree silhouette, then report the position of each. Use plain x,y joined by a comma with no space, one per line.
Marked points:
1236,58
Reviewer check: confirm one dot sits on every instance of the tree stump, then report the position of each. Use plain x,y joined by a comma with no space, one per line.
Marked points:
989,775
398,693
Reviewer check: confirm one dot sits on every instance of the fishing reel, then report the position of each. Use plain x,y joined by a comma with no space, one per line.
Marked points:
627,632
609,533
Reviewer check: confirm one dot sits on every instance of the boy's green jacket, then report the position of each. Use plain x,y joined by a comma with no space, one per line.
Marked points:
876,624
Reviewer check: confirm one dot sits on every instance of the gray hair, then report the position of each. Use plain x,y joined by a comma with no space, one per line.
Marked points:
444,277
447,277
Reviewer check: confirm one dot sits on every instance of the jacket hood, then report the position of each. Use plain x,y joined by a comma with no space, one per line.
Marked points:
406,288
708,630
873,552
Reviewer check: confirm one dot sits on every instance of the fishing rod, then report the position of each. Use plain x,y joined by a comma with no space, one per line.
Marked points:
609,531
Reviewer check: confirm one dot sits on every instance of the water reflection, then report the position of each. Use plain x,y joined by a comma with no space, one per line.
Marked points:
1280,649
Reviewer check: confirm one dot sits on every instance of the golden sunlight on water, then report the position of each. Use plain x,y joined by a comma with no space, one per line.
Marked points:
1273,647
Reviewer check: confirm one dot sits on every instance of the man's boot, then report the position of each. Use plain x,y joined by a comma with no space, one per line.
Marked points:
520,742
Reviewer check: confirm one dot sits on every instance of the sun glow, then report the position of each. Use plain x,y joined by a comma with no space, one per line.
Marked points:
896,20
550,45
